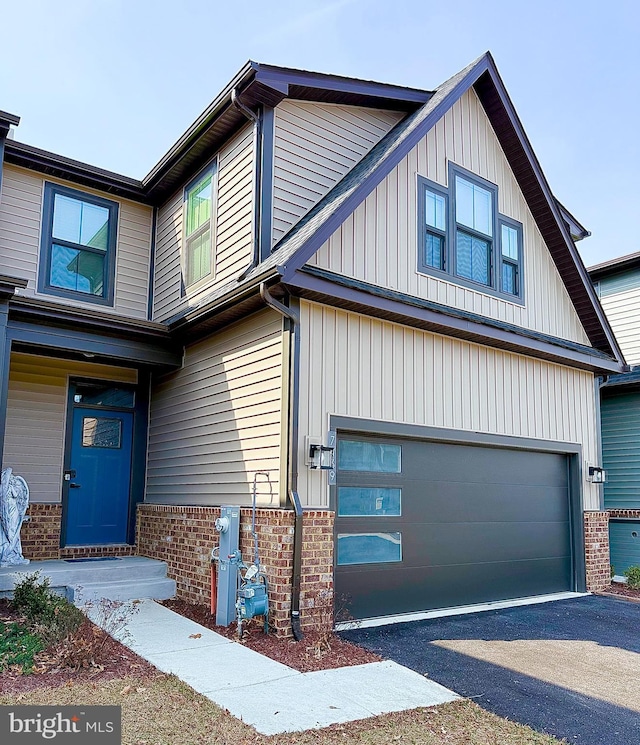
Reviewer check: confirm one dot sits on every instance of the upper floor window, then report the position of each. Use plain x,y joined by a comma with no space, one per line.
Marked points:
198,237
471,241
78,245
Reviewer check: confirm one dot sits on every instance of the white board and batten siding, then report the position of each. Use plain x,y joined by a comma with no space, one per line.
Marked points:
378,243
21,206
36,417
233,230
620,298
315,145
215,422
357,366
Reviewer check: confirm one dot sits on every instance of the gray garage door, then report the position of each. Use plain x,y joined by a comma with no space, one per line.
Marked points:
424,525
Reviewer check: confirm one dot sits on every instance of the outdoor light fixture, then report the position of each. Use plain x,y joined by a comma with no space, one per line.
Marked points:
321,456
597,475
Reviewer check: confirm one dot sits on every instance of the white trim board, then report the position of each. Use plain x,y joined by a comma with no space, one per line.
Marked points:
457,611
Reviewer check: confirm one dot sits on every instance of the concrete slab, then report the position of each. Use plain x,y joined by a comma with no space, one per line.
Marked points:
315,700
152,628
270,696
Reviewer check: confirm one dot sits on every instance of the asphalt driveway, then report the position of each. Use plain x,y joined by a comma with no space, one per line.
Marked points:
570,668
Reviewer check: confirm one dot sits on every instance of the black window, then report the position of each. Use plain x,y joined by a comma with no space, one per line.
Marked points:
469,241
77,258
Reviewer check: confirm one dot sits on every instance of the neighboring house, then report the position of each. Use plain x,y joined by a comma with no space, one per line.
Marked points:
317,261
617,283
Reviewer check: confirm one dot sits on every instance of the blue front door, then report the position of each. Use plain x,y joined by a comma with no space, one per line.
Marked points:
100,477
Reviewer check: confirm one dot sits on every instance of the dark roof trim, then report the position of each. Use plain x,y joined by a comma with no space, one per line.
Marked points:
27,156
284,78
613,266
8,119
577,230
618,381
9,285
361,297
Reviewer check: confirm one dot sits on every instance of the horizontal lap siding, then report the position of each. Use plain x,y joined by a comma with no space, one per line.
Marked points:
620,298
620,415
217,420
20,226
378,243
353,365
36,412
233,230
315,146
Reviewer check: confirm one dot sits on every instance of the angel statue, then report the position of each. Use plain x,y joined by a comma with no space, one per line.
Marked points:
14,500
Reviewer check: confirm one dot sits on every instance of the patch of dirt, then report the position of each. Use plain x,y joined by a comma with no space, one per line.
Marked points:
116,661
317,651
622,590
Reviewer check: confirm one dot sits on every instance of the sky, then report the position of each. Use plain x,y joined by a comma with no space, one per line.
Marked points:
115,82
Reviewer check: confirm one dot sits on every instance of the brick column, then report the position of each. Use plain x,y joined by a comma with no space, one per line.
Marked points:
596,547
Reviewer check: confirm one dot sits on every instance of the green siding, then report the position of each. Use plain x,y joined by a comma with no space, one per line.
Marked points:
619,283
621,450
624,537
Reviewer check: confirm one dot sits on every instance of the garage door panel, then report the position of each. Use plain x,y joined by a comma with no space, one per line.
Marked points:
471,543
476,524
452,502
447,462
408,590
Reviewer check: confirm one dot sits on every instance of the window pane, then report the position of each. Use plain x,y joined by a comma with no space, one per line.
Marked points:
434,251
355,502
510,242
472,258
80,222
368,456
435,211
369,548
98,432
199,257
474,206
509,278
199,204
72,269
92,394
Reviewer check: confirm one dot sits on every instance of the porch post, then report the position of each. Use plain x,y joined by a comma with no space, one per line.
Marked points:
5,361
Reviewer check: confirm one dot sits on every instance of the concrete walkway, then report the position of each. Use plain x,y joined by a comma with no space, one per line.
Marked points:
270,696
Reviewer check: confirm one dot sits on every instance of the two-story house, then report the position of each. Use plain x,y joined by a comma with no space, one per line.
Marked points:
617,283
317,262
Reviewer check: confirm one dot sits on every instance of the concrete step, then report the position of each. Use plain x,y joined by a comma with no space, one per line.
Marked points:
64,574
154,589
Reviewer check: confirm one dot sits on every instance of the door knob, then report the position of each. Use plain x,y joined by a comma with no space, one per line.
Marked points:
74,486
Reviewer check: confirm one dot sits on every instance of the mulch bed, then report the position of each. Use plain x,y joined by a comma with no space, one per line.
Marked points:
317,651
622,590
116,661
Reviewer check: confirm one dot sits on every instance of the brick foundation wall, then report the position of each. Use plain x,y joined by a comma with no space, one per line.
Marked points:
40,537
596,547
631,514
184,537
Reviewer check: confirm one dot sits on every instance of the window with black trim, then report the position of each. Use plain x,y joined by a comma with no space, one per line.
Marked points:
469,241
198,232
77,255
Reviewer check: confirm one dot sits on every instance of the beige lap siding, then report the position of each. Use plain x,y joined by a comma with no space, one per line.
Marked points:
36,417
353,365
315,145
232,232
20,238
215,422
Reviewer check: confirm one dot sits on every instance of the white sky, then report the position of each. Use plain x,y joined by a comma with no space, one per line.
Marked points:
115,82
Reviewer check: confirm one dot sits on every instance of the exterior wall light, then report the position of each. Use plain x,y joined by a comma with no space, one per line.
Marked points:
321,456
597,475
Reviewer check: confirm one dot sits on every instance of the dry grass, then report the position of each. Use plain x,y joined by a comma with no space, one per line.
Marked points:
165,711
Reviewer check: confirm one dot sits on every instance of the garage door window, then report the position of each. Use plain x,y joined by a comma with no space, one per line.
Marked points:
369,548
378,457
369,502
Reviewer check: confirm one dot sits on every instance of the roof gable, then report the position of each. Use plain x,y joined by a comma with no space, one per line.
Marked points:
297,247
